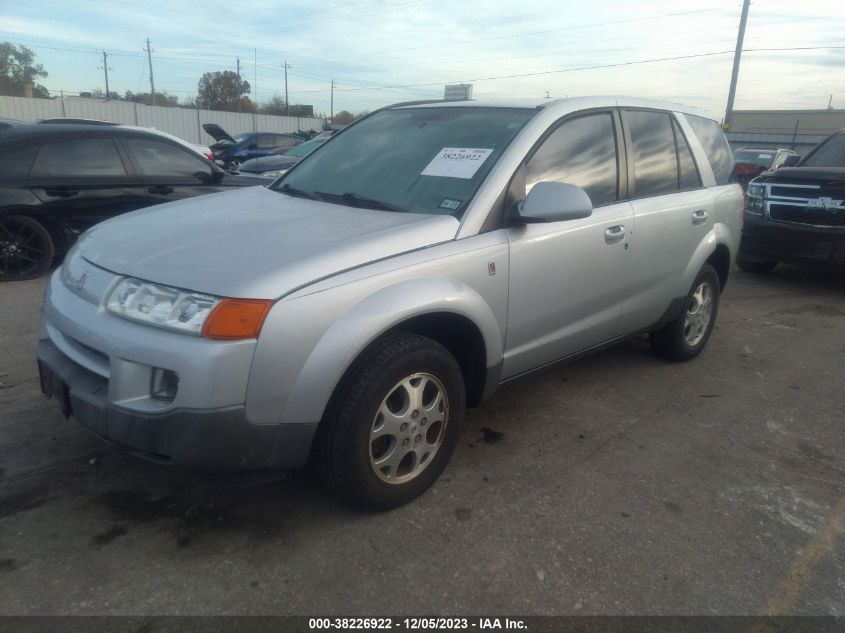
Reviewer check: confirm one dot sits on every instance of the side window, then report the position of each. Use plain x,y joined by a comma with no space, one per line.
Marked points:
82,157
715,146
265,141
17,161
580,152
284,141
779,160
688,177
156,158
655,160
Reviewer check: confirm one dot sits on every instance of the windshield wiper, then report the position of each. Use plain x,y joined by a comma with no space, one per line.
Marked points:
362,201
301,193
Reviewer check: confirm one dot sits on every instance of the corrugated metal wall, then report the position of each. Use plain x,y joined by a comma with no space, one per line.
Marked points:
182,122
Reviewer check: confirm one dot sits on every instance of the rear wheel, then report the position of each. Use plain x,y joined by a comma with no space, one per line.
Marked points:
26,248
685,337
394,424
756,267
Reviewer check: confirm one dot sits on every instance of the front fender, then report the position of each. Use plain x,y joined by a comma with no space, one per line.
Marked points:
364,322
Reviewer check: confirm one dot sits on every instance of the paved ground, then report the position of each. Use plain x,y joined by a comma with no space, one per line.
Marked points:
621,484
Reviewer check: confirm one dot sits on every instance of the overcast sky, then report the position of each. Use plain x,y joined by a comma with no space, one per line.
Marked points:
380,52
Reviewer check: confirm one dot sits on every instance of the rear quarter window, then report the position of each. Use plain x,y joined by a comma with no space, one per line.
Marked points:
715,145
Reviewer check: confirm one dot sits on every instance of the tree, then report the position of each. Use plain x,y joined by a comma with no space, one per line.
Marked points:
99,93
161,98
221,91
344,117
275,106
18,72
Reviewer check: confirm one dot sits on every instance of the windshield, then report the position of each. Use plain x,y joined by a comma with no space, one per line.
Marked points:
305,148
763,159
831,153
422,160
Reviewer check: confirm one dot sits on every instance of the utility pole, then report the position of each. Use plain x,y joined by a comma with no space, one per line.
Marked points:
150,61
331,108
106,70
735,73
287,104
830,103
238,96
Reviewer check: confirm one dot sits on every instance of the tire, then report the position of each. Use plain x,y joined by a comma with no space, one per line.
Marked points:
756,267
26,248
387,471
234,164
685,337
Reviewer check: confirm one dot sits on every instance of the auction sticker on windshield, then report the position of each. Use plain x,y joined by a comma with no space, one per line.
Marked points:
456,162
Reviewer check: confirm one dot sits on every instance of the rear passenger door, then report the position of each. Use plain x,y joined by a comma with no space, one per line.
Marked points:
568,279
82,180
673,213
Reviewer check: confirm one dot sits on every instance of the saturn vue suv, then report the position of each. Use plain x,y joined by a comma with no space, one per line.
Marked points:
347,315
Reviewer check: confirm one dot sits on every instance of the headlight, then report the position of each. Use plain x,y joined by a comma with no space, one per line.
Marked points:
756,196
274,173
160,305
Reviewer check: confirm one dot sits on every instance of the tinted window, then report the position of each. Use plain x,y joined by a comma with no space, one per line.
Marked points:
265,141
17,161
715,146
155,158
83,157
653,143
580,152
688,177
285,141
830,153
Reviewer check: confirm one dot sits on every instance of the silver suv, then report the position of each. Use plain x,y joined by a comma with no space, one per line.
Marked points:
422,257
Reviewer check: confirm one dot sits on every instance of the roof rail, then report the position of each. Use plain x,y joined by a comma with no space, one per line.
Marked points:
69,120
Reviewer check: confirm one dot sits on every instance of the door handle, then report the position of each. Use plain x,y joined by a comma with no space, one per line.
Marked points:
699,217
161,189
61,193
614,234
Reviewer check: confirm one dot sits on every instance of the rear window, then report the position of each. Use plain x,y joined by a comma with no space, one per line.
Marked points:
716,147
17,161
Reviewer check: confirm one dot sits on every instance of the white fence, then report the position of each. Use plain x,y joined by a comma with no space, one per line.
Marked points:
186,123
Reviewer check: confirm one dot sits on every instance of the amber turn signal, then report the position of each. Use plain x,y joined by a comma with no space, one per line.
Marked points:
236,318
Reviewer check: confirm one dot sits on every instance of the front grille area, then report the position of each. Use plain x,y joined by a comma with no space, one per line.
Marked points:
803,215
821,204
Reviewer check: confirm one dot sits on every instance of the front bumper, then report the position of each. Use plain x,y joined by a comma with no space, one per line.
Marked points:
765,240
205,439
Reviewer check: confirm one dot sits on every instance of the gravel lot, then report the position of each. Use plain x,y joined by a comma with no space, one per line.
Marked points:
620,484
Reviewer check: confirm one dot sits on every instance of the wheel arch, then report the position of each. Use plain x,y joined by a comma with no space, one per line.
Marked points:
444,310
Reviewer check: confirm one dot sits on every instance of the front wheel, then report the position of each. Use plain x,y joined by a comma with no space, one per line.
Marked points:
26,248
394,423
685,337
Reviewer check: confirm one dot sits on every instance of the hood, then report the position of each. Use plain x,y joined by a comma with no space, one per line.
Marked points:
217,133
255,242
266,163
834,174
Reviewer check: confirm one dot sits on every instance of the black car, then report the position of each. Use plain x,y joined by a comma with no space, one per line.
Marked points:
280,161
58,179
797,214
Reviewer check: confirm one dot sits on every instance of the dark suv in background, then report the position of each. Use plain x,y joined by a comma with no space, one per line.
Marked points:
797,214
58,179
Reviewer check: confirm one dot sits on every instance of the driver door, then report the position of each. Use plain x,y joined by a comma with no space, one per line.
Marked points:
570,279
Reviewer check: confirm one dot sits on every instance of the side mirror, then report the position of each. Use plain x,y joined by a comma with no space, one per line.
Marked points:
791,161
552,202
